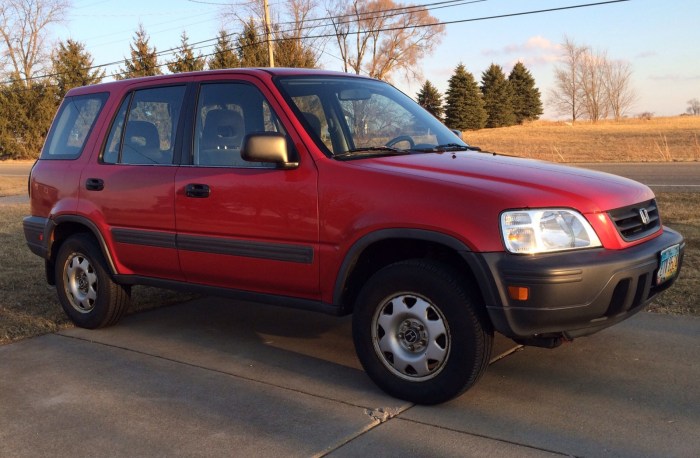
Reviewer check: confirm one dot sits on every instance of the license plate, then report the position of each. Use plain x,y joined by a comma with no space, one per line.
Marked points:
668,264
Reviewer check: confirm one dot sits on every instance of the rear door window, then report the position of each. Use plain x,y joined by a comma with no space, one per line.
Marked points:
72,126
145,127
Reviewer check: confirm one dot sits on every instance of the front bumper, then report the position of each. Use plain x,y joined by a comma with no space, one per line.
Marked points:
573,294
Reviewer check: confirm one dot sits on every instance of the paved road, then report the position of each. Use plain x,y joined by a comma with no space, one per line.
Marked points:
217,378
15,168
660,176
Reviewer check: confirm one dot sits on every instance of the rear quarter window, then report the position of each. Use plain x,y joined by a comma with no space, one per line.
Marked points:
72,126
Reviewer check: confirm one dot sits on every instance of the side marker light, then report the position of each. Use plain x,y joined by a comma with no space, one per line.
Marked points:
519,293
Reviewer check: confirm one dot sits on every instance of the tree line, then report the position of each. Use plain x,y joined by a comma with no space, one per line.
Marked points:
499,101
378,38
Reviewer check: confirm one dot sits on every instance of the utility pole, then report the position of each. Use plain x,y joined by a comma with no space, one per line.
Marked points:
268,33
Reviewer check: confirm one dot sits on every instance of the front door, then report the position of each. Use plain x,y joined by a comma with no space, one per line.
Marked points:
244,225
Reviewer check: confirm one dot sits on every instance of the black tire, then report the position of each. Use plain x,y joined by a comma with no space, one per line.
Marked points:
436,344
85,288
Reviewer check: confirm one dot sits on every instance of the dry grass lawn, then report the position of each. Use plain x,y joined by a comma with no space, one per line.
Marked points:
630,140
12,186
680,212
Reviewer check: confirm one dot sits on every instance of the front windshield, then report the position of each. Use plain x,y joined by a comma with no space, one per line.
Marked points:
357,117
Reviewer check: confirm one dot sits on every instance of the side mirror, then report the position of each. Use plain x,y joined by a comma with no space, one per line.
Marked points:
269,147
458,133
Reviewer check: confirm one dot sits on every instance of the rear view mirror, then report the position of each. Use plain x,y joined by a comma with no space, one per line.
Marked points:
354,94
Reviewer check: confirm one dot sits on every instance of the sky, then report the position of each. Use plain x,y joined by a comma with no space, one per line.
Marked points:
659,38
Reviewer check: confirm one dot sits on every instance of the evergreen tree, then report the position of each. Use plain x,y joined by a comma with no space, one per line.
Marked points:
252,49
498,97
291,52
71,67
527,102
225,55
26,112
464,107
144,59
430,99
184,59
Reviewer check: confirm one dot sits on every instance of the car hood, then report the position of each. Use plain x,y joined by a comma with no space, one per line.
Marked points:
518,182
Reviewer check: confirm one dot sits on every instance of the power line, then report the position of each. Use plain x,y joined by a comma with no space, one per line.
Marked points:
387,29
230,35
402,10
359,15
282,32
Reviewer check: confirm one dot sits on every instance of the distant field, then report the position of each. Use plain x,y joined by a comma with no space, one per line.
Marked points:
630,140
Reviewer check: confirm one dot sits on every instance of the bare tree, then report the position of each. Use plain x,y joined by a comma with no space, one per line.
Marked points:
693,107
565,97
300,13
298,45
253,8
618,87
380,37
24,28
341,29
589,84
591,74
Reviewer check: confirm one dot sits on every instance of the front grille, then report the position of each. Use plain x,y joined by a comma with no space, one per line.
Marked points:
629,220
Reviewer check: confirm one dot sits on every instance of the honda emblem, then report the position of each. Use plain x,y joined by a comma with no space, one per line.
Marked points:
644,215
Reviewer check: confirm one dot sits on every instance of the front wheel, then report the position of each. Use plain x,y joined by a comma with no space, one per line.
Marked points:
417,332
87,293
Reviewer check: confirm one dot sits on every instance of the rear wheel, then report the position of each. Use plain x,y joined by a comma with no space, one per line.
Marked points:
87,293
417,332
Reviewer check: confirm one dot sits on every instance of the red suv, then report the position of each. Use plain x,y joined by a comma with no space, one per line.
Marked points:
337,193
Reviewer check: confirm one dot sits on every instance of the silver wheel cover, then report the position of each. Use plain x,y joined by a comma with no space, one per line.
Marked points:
411,337
80,280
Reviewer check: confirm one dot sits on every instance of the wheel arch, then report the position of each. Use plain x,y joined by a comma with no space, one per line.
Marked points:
61,228
378,249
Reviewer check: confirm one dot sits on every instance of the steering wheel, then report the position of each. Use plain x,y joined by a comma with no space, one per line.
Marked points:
399,139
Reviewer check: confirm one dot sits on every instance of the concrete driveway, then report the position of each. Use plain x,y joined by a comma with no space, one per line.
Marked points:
215,377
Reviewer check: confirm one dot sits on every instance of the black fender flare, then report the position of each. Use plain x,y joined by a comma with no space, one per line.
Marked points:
53,223
365,241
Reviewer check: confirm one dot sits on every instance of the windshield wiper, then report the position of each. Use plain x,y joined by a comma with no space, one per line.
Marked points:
448,147
370,151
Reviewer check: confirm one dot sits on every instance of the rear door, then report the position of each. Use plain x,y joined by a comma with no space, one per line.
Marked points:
130,189
244,225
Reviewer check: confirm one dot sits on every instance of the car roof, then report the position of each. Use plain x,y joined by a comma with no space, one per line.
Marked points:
194,76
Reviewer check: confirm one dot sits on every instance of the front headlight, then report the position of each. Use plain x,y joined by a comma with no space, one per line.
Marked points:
546,230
